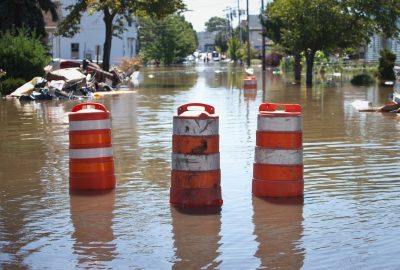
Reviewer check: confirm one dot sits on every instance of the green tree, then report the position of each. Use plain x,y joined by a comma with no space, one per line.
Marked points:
22,55
167,40
306,26
387,61
236,33
221,41
26,13
116,15
216,24
235,53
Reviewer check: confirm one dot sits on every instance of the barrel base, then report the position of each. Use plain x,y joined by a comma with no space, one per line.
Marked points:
195,197
263,188
205,210
92,182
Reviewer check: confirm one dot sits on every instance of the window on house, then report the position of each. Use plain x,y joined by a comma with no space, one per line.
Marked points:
74,50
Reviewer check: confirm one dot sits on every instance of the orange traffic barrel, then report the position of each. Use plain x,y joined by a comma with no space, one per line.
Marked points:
278,161
91,164
250,82
196,174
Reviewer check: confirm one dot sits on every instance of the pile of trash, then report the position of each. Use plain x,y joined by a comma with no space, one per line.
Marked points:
70,81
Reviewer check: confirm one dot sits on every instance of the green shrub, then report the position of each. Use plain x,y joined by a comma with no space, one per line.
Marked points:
22,55
255,62
386,65
362,79
8,85
235,53
287,63
320,58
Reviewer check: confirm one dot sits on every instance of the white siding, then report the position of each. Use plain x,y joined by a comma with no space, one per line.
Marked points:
375,46
92,34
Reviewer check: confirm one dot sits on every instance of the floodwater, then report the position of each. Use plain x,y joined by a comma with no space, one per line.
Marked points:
349,217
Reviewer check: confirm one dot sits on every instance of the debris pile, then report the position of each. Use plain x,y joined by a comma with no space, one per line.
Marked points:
70,80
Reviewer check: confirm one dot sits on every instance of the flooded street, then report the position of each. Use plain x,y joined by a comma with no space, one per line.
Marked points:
349,217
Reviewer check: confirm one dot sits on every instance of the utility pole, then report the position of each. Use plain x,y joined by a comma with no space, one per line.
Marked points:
248,33
240,27
263,36
231,21
228,14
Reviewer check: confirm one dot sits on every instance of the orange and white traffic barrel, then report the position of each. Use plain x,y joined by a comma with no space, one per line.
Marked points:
91,164
278,161
250,82
196,174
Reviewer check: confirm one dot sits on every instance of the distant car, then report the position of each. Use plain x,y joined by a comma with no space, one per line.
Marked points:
215,56
190,58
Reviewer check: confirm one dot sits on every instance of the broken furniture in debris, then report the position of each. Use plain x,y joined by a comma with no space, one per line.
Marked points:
70,81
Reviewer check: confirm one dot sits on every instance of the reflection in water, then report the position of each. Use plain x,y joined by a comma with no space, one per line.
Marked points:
351,167
22,155
250,94
278,229
224,76
169,77
196,240
92,218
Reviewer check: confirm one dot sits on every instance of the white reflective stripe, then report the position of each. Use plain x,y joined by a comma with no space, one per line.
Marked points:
278,157
195,127
250,82
250,91
90,153
89,125
280,123
184,162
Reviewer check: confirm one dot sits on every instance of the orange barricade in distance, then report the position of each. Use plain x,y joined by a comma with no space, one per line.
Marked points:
91,164
250,82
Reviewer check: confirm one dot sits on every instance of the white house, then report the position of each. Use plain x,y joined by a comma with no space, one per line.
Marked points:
255,29
255,32
377,44
88,43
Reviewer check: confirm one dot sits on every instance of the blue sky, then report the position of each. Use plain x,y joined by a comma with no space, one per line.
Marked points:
201,10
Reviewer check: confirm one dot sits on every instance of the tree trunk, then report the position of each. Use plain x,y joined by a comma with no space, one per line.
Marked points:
310,64
108,19
297,67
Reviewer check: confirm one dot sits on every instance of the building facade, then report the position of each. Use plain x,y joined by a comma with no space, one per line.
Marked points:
206,41
88,43
377,43
255,30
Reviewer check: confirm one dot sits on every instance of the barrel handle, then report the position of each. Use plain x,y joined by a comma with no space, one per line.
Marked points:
270,107
207,108
96,106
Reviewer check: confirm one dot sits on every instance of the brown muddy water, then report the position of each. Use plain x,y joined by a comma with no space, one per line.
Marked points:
349,218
